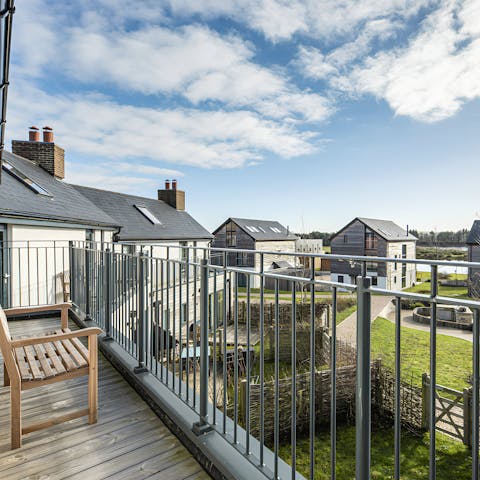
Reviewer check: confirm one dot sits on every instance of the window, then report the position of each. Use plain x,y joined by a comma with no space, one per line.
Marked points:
89,237
374,281
340,279
184,257
404,266
370,240
24,179
261,229
243,259
345,239
275,230
372,266
148,214
231,235
394,279
395,264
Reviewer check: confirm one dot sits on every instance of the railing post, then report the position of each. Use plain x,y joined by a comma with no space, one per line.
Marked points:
467,417
88,269
141,318
425,397
107,262
363,384
73,296
203,426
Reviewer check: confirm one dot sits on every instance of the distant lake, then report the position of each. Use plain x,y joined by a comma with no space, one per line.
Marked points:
443,269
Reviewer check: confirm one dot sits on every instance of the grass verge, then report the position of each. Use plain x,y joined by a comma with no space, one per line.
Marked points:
454,355
453,458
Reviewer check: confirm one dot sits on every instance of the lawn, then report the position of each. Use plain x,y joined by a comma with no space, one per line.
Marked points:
454,355
343,314
443,291
453,459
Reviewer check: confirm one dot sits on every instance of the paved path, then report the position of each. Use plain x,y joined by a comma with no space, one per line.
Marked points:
407,321
347,330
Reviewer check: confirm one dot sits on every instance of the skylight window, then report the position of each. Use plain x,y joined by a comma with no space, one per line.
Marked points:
275,230
28,182
148,214
261,228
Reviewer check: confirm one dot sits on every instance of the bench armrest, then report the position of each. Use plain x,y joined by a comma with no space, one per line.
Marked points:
85,332
62,307
40,308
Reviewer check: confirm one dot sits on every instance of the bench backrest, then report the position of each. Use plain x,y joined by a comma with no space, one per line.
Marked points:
6,348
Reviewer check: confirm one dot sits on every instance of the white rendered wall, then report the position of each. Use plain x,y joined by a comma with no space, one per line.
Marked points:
39,258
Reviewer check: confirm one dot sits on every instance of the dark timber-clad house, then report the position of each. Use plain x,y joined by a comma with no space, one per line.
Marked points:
473,243
375,238
249,234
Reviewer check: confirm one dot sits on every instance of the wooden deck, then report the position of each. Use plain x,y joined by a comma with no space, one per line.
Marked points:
128,442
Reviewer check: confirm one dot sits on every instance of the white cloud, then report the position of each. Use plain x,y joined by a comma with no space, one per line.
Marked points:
281,19
315,64
192,61
432,77
99,127
34,38
102,176
151,59
144,169
428,79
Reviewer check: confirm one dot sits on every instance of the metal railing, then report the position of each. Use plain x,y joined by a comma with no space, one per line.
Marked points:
243,357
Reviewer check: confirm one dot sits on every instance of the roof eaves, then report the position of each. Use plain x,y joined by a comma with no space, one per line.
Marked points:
54,218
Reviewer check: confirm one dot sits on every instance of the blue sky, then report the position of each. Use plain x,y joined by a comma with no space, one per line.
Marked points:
305,111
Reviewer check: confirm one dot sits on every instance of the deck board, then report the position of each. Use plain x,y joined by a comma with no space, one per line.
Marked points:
128,442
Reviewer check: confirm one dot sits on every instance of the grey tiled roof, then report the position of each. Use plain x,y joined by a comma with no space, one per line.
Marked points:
65,204
176,225
264,229
474,235
387,229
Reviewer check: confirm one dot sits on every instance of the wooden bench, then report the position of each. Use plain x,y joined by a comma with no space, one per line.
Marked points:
37,361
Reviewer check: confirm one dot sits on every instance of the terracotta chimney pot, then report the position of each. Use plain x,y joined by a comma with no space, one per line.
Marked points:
167,184
48,134
34,134
174,184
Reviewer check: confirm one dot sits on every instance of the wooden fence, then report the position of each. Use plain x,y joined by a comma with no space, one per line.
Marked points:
453,410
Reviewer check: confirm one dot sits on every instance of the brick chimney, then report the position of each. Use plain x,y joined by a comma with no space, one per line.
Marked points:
175,198
46,154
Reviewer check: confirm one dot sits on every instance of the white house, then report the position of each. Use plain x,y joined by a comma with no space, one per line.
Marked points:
40,214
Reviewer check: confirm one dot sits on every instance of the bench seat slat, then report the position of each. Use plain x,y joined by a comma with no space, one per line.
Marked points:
33,363
44,363
63,354
22,364
73,352
52,355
